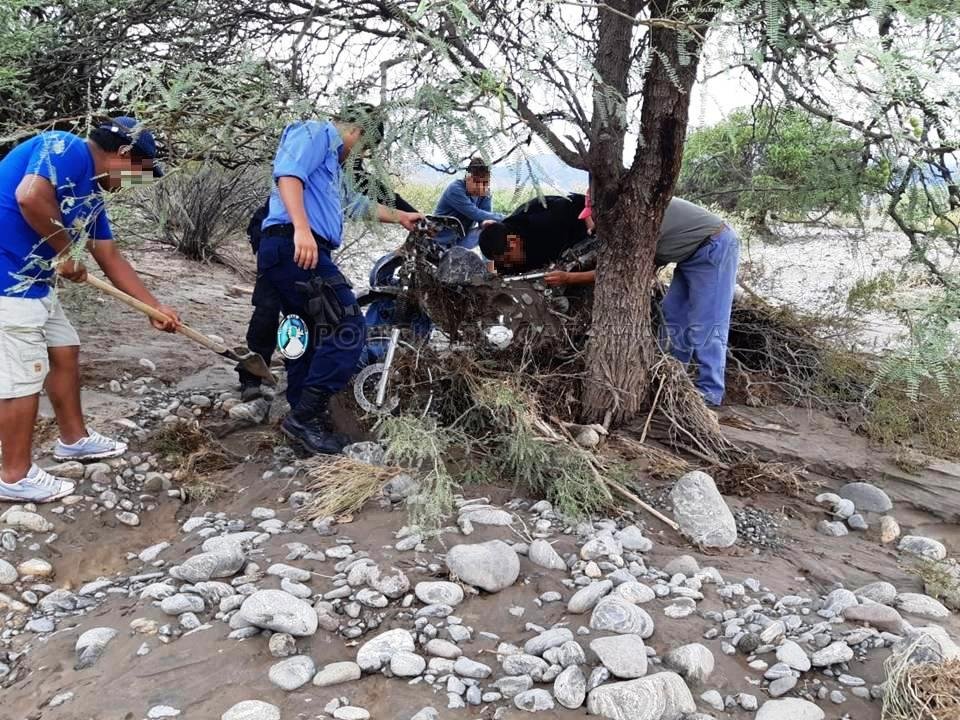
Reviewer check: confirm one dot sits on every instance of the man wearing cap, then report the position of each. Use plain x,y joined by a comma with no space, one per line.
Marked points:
51,208
469,201
303,226
697,306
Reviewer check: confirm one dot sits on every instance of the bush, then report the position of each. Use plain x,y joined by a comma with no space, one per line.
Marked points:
197,210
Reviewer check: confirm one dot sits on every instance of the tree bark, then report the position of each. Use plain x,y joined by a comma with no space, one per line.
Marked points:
629,207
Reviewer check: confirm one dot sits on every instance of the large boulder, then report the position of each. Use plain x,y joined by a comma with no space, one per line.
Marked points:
664,696
701,511
490,566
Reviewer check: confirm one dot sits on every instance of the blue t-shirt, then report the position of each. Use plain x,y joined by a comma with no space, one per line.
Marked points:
65,160
310,151
468,209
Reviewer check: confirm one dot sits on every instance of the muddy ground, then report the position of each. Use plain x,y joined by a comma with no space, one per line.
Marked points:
203,674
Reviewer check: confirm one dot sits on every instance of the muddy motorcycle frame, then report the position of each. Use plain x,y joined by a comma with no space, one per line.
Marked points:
414,264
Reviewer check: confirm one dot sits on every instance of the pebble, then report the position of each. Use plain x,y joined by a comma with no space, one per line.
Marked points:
376,653
837,652
534,701
8,573
542,554
889,529
701,511
586,599
162,711
867,497
292,673
252,710
832,529
35,567
337,673
439,593
349,712
91,646
789,709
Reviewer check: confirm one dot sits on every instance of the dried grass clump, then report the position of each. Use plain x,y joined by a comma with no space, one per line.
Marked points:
925,691
341,485
200,458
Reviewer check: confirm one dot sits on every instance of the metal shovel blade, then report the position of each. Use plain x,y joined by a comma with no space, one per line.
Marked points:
251,362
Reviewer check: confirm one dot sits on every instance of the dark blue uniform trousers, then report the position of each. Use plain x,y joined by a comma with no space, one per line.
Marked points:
331,360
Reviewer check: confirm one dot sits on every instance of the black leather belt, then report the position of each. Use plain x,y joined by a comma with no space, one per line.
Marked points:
286,230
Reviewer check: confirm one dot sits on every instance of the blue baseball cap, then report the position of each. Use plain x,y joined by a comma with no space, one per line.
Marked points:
139,137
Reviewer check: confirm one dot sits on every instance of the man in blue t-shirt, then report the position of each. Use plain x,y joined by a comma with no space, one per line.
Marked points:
469,201
51,210
303,225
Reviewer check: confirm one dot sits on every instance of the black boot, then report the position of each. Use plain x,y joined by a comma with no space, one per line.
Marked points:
309,424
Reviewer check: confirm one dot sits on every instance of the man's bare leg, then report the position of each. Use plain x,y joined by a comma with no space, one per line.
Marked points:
63,389
17,418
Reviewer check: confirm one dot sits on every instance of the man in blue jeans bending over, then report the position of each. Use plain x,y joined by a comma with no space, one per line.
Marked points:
469,201
696,308
303,226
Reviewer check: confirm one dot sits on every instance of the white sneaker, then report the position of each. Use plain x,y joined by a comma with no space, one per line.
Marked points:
38,486
93,447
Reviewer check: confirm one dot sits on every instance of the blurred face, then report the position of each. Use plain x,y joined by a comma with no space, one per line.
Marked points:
351,136
478,185
514,254
125,170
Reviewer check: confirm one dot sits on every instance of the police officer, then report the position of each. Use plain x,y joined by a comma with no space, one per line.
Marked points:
304,224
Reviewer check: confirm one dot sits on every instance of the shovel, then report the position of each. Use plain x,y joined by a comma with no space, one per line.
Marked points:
248,360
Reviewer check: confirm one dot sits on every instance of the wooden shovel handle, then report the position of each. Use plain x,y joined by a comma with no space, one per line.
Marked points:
153,313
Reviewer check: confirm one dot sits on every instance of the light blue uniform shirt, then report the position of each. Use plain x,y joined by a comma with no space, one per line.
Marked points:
310,150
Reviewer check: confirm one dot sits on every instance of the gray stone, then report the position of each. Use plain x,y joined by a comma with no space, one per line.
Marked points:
867,497
91,646
587,597
834,653
541,553
534,701
614,614
209,565
439,593
570,687
182,603
279,611
881,617
400,487
407,664
714,699
491,566
693,662
789,709
701,511
289,572
337,673
349,712
513,685
546,640
162,711
781,686
428,713
631,538
832,529
442,649
889,529
623,655
8,573
922,606
282,645
252,710
663,696
857,522
838,601
790,653
465,667
26,520
635,592
879,592
602,546
368,452
489,516
843,509
922,547
931,644
292,673
376,653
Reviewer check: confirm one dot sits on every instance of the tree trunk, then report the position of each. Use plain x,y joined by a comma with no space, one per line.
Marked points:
628,209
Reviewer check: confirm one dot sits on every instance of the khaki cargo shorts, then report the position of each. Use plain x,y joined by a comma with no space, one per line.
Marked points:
28,326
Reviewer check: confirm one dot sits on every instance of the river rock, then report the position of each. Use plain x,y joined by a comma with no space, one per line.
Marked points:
790,653
209,565
35,567
439,593
881,617
25,520
838,601
614,614
252,710
465,667
542,553
832,529
922,605
337,673
889,529
879,592
376,653
8,573
292,673
489,516
491,566
407,664
570,687
91,645
631,538
587,597
635,592
922,547
663,696
534,701
279,611
602,546
400,487
701,511
789,709
931,644
867,497
623,655
834,653
693,662
546,640
182,603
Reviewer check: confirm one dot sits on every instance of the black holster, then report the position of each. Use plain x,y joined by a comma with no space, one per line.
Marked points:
323,306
